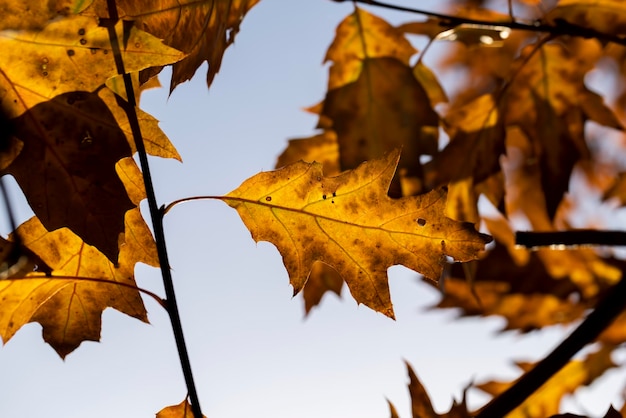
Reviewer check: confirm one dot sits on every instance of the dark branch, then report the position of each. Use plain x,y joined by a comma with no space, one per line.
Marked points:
570,238
155,214
562,28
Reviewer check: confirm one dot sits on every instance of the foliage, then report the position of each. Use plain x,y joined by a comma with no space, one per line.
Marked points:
404,169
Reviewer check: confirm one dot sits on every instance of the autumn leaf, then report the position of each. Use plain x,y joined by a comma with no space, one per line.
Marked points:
476,143
361,36
74,184
349,223
371,117
69,54
421,405
182,410
202,29
154,139
69,305
546,400
549,101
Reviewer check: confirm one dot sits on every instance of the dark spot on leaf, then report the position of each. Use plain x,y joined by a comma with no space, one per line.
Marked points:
45,74
81,31
421,222
83,41
268,199
324,196
105,51
70,52
332,201
93,50
334,194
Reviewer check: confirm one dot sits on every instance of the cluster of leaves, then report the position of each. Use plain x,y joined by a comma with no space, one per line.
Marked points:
519,122
393,176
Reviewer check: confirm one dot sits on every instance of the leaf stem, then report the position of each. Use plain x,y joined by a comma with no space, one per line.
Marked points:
613,303
156,215
153,295
562,28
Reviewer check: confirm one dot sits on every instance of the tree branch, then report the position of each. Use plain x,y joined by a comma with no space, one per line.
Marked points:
562,28
570,238
156,215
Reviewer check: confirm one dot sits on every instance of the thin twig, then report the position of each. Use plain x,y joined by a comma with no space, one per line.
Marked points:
563,28
156,215
44,276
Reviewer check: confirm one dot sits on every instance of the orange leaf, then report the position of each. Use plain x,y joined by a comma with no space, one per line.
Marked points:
69,306
202,29
349,223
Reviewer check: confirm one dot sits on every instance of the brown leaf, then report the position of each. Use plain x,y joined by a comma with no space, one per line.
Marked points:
69,305
74,184
476,143
182,410
202,29
349,223
385,108
549,101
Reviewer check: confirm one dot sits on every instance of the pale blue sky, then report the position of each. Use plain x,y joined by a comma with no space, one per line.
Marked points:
252,351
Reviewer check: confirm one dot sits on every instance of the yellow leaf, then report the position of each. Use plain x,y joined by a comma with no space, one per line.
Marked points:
69,54
154,139
202,29
84,282
349,223
39,13
359,36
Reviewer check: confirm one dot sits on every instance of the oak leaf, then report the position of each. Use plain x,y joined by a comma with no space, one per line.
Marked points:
349,223
385,108
74,183
69,54
84,282
202,29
